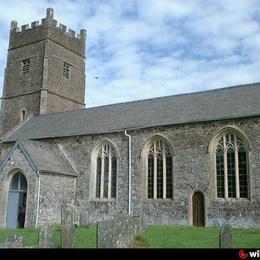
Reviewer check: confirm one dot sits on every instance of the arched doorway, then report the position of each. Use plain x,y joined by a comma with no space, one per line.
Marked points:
198,212
17,201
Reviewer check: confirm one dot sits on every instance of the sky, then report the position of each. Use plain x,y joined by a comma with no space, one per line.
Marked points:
139,49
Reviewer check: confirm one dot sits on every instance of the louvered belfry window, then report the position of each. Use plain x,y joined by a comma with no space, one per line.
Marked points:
26,66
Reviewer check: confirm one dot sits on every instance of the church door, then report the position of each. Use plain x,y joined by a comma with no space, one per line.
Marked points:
17,202
198,209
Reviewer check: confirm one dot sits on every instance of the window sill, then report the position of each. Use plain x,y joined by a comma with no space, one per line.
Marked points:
102,200
158,200
232,199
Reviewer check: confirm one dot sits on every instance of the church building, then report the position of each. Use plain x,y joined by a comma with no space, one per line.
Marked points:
189,159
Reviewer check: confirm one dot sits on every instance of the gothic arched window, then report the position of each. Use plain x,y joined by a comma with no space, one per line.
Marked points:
159,170
231,166
106,172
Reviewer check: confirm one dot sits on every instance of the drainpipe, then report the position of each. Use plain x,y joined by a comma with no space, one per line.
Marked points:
38,197
129,171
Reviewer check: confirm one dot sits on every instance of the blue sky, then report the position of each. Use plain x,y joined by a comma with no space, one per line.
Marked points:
149,48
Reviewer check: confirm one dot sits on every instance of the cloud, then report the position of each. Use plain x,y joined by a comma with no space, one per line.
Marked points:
142,49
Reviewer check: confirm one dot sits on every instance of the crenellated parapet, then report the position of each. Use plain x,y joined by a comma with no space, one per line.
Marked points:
47,28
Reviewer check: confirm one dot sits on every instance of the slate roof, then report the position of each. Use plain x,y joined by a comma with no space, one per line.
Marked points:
48,157
226,103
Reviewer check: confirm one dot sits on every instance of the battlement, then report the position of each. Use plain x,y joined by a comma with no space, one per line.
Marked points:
47,28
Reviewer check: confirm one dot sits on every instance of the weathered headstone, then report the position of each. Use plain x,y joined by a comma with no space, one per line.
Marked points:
118,232
225,236
67,227
14,241
46,236
84,218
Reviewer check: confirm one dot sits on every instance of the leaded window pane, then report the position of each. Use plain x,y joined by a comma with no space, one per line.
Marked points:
231,174
243,173
159,170
169,182
14,182
106,172
220,174
98,179
113,185
18,182
231,167
150,176
23,182
159,177
106,169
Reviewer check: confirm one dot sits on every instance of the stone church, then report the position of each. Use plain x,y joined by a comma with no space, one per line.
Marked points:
190,159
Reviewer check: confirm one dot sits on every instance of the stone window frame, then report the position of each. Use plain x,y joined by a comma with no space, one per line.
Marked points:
25,66
22,114
66,70
144,156
93,182
212,150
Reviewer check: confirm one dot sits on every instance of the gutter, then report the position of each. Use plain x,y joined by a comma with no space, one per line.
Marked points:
129,171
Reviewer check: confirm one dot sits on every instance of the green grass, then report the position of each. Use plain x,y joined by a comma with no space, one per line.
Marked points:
30,236
85,237
198,237
154,237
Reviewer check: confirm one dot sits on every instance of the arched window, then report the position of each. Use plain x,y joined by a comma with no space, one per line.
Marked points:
18,183
159,170
231,166
106,172
22,114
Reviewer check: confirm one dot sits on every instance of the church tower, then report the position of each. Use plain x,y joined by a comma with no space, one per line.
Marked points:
45,71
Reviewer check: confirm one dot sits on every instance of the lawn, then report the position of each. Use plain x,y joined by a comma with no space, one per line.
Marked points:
84,237
198,237
154,237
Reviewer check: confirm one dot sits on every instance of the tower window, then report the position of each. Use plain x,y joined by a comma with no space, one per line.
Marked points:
25,66
22,114
66,70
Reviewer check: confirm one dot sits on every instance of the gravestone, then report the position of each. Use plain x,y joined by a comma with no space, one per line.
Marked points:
118,232
46,236
84,218
67,227
14,241
225,236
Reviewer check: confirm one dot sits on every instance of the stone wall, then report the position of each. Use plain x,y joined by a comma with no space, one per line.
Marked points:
56,190
74,87
192,169
118,232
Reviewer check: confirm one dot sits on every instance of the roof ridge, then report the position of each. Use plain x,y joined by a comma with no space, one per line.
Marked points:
157,98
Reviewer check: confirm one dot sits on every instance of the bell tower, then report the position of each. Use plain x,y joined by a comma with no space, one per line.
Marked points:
45,71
